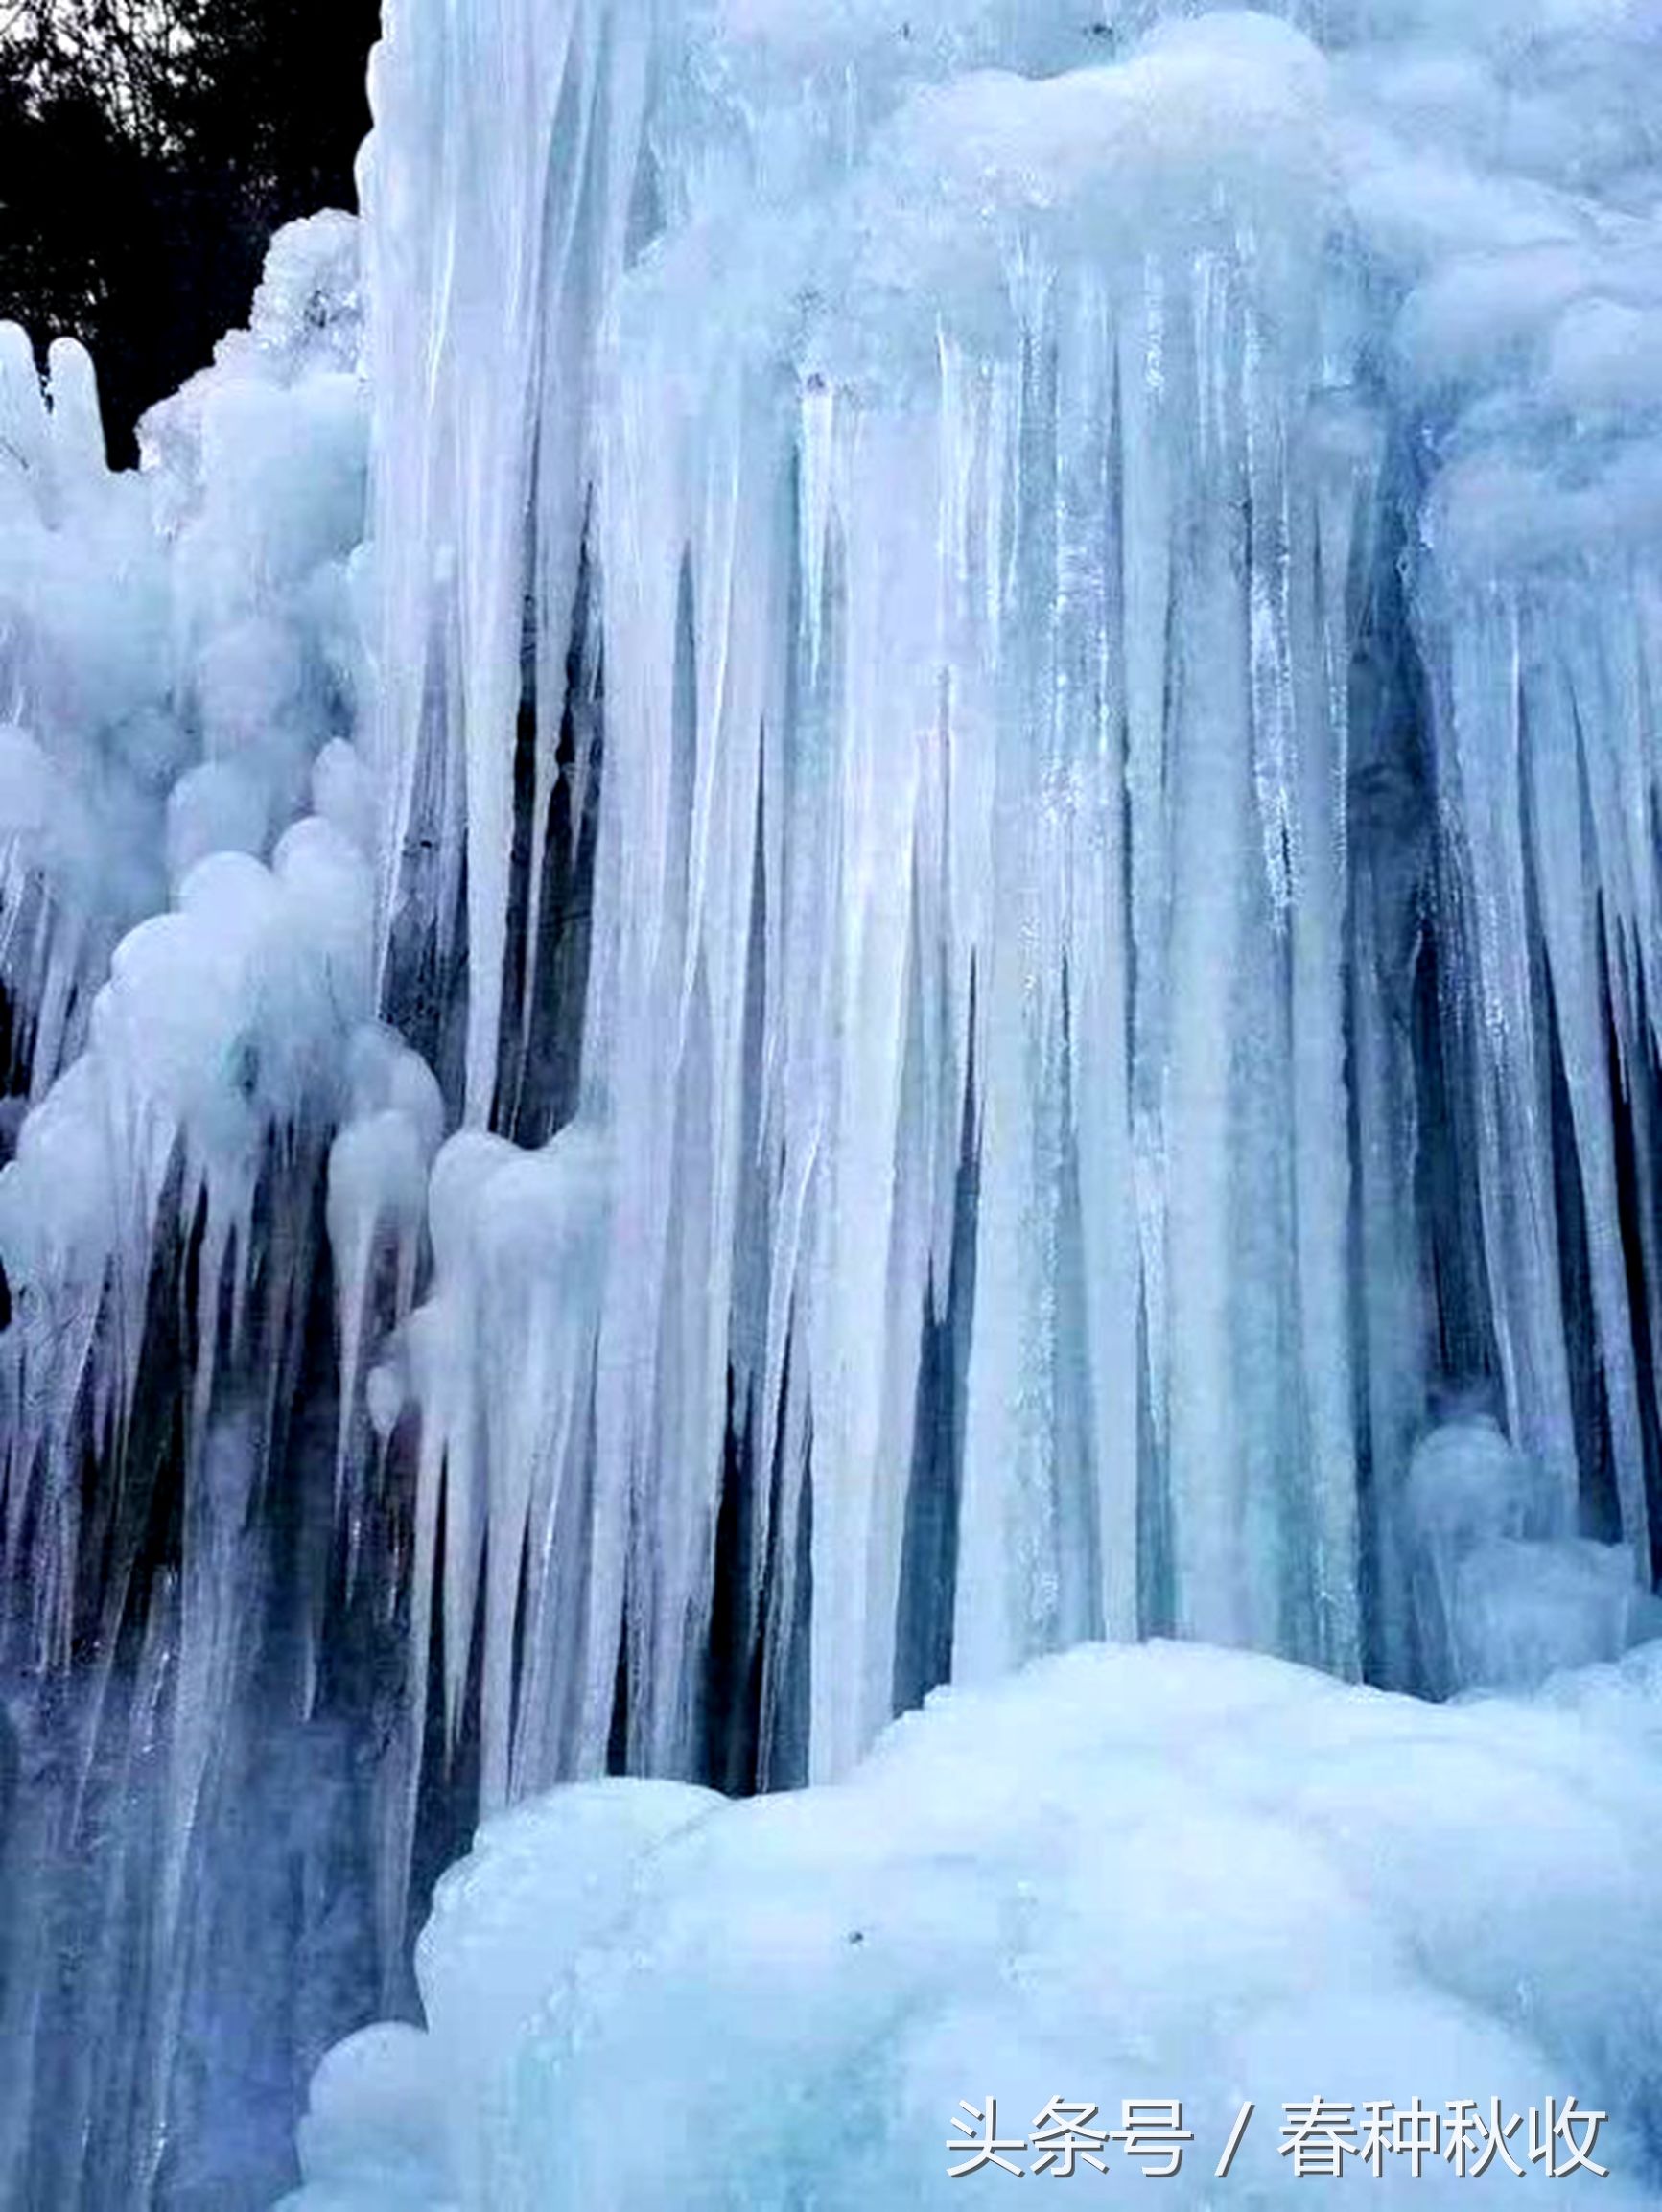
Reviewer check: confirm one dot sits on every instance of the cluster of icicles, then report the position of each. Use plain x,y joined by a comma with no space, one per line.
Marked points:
992,754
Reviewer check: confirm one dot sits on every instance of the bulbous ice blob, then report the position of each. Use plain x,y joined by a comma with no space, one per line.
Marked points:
307,312
216,806
202,608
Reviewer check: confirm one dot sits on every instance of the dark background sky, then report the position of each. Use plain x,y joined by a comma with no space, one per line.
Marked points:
148,149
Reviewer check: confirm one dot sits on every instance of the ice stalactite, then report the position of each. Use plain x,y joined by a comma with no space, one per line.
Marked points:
945,756
176,644
1544,700
486,284
73,688
162,1623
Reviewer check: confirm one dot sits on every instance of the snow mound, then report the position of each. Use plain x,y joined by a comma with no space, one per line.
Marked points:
1162,1873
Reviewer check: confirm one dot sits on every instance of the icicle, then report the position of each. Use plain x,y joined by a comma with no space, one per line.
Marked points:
818,421
485,311
1563,866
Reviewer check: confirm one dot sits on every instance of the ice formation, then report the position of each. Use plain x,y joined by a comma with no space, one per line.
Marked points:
187,949
945,944
1121,886
1162,1873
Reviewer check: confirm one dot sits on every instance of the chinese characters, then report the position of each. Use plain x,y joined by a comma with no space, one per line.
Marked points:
1318,2137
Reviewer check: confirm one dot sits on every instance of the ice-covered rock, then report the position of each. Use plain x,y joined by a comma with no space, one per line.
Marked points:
1505,1596
1523,1611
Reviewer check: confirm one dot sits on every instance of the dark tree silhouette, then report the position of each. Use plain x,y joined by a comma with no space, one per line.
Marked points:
148,149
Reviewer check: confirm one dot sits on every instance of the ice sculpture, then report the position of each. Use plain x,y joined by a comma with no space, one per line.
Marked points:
947,946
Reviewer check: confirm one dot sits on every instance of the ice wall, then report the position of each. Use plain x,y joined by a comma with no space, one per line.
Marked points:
1107,556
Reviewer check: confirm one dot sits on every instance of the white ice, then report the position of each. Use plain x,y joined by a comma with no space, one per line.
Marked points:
1151,1873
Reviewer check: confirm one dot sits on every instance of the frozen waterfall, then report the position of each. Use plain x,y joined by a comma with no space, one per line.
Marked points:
849,869
1130,1872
